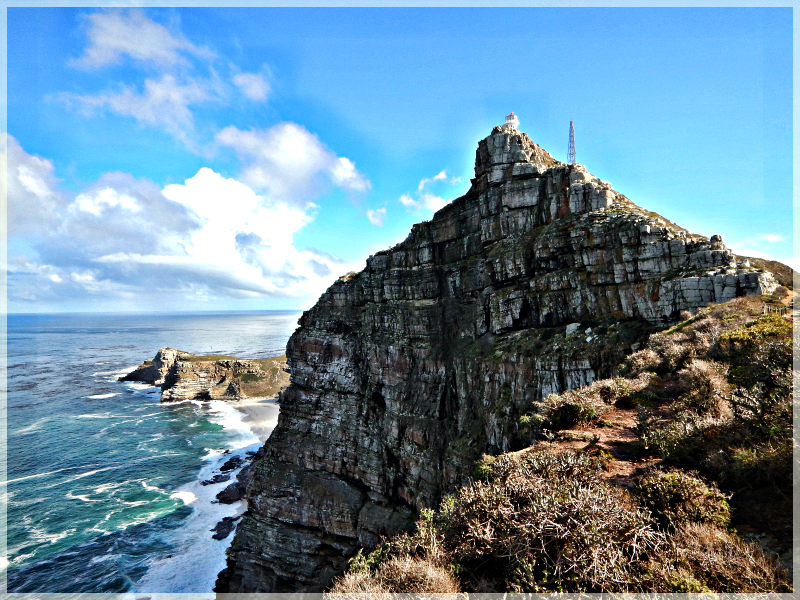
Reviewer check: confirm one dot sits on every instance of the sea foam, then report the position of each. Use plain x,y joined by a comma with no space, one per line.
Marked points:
197,558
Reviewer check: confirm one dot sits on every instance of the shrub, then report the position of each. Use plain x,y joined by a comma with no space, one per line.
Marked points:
399,574
742,342
765,464
675,498
570,414
704,382
702,557
483,468
673,439
589,401
642,360
544,523
673,348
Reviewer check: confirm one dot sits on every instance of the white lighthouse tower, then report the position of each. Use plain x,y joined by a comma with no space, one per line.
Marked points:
512,122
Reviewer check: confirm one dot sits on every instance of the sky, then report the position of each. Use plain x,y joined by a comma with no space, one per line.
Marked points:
245,158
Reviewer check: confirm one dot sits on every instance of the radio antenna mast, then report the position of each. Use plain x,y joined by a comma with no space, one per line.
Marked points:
571,149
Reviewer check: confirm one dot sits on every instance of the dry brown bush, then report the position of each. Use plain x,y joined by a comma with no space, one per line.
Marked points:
673,348
545,523
599,394
359,582
414,575
642,360
704,382
702,557
399,574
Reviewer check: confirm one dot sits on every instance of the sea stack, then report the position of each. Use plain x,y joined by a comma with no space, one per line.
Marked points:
405,373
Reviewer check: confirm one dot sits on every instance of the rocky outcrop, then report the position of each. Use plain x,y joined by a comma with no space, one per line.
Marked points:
185,376
404,373
154,371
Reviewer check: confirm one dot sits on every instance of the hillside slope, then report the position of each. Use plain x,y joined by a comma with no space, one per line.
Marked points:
621,491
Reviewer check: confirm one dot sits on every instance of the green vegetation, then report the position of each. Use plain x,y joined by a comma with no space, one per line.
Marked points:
251,377
545,523
675,498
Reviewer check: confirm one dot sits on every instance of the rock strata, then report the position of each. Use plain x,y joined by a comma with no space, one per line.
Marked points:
404,373
185,376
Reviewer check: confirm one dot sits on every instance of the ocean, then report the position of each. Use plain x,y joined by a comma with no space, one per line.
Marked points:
103,485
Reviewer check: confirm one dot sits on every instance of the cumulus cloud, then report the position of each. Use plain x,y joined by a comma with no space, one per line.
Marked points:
290,163
163,103
344,174
124,237
252,85
165,99
114,34
32,184
377,217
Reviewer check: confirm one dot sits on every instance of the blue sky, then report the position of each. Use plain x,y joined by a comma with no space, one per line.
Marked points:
219,158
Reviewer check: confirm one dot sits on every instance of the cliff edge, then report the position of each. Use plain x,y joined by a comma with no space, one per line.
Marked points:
541,278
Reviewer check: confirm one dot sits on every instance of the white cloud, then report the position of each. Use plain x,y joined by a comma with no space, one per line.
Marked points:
408,201
345,175
106,197
289,163
163,103
115,34
238,246
758,240
772,238
377,217
425,202
253,85
441,176
33,199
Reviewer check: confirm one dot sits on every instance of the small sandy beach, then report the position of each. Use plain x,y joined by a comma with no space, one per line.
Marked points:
261,415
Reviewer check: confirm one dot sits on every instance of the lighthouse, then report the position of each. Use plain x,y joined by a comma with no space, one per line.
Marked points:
512,121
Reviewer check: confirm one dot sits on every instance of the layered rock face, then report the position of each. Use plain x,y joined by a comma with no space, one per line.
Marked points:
185,376
404,373
154,371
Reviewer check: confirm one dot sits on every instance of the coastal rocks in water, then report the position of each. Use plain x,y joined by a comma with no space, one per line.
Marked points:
237,490
224,527
218,478
402,375
232,463
185,376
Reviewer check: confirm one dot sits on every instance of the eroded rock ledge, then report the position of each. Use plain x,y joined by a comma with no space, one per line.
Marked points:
185,376
404,373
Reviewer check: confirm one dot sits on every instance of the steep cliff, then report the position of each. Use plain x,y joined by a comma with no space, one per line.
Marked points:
539,279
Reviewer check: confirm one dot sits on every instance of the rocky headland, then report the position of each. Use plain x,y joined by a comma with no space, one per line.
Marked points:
185,376
540,279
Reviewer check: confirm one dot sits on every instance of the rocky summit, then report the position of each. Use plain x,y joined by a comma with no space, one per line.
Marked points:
539,279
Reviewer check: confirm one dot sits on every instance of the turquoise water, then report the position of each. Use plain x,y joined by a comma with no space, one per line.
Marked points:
102,486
